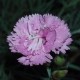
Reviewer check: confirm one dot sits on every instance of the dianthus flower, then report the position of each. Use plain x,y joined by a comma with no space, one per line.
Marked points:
34,36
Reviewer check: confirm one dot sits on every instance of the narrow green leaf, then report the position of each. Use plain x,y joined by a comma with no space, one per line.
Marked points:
76,31
73,66
49,72
73,48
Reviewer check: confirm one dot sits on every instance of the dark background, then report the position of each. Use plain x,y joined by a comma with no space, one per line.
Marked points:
12,10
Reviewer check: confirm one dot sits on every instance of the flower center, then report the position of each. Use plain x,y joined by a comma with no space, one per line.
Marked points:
36,44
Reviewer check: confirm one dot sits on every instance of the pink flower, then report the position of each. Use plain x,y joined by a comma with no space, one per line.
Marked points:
36,35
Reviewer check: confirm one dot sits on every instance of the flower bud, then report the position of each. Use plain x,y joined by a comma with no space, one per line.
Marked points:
59,74
59,60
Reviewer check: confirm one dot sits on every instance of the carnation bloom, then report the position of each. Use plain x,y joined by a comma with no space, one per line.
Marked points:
34,36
